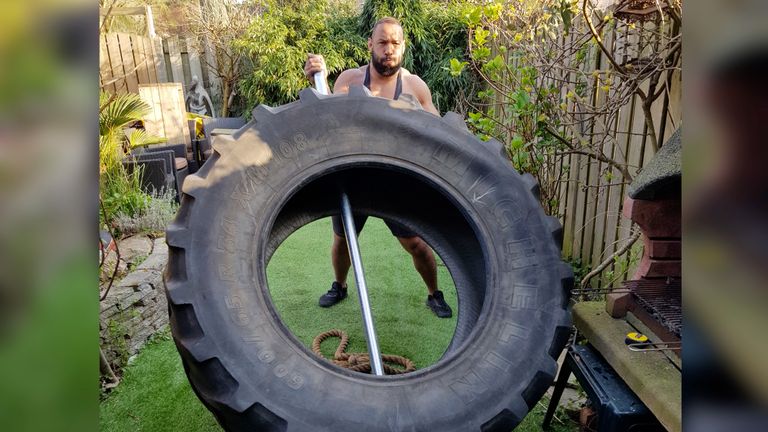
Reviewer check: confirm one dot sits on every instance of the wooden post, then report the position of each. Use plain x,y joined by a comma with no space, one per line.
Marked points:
157,51
175,55
150,22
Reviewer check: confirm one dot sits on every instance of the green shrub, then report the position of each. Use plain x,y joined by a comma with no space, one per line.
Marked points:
152,218
279,39
120,190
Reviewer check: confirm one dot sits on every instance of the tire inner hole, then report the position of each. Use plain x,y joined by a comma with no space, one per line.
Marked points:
299,266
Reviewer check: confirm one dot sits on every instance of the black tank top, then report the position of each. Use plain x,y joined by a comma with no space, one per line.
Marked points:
398,86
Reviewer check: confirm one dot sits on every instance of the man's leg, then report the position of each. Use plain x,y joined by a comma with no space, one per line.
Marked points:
340,262
423,260
340,259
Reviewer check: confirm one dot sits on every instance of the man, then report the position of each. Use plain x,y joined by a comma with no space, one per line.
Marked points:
384,77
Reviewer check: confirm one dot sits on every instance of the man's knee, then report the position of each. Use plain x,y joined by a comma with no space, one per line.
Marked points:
415,246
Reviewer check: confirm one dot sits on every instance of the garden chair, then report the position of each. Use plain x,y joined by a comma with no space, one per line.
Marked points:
164,167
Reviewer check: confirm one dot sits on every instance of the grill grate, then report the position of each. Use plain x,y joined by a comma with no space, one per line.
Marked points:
662,299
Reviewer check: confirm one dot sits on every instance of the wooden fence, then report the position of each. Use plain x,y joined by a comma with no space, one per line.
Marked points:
128,60
590,201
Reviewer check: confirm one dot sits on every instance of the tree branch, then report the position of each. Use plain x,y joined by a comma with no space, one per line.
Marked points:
595,155
117,250
599,40
603,265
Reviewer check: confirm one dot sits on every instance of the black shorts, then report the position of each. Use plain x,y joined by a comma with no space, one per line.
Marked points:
395,228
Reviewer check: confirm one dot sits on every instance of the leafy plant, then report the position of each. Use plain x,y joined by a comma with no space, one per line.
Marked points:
140,138
116,341
579,269
120,189
622,265
278,40
152,218
548,96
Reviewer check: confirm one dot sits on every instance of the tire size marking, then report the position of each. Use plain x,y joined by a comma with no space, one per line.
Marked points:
253,180
229,272
290,149
520,253
522,297
228,237
238,312
265,355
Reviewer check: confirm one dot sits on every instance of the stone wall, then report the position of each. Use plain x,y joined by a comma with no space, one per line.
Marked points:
135,307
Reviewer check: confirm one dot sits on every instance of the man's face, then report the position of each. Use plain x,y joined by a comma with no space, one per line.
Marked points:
387,47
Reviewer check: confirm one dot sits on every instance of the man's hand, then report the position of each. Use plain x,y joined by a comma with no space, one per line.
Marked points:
315,63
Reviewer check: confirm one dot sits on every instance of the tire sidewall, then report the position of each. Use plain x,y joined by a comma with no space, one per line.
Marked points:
522,300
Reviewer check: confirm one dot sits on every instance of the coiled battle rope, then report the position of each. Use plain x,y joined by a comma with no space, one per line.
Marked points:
359,362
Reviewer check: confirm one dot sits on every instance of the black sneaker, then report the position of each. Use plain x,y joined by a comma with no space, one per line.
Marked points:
437,303
334,295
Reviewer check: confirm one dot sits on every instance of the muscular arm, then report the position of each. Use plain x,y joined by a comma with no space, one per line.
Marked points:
343,81
424,95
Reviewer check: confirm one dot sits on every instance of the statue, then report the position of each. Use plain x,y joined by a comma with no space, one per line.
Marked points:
197,100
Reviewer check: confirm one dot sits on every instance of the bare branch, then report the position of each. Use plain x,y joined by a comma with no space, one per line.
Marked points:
602,158
599,40
112,277
603,265
123,76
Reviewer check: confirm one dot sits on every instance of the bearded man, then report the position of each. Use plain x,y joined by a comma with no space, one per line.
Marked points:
385,77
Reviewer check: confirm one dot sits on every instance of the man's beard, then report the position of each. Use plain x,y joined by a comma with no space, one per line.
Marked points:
383,69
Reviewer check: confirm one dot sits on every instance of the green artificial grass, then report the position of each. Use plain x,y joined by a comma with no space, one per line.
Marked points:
154,394
300,272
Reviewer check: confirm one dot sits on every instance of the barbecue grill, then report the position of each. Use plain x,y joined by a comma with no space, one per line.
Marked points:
654,293
650,303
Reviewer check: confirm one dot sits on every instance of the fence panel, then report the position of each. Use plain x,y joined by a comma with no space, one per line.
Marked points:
106,79
128,60
129,65
591,193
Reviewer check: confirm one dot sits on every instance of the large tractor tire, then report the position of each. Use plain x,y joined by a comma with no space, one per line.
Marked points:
285,169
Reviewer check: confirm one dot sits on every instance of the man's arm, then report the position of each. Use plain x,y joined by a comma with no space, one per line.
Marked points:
315,63
341,85
424,95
